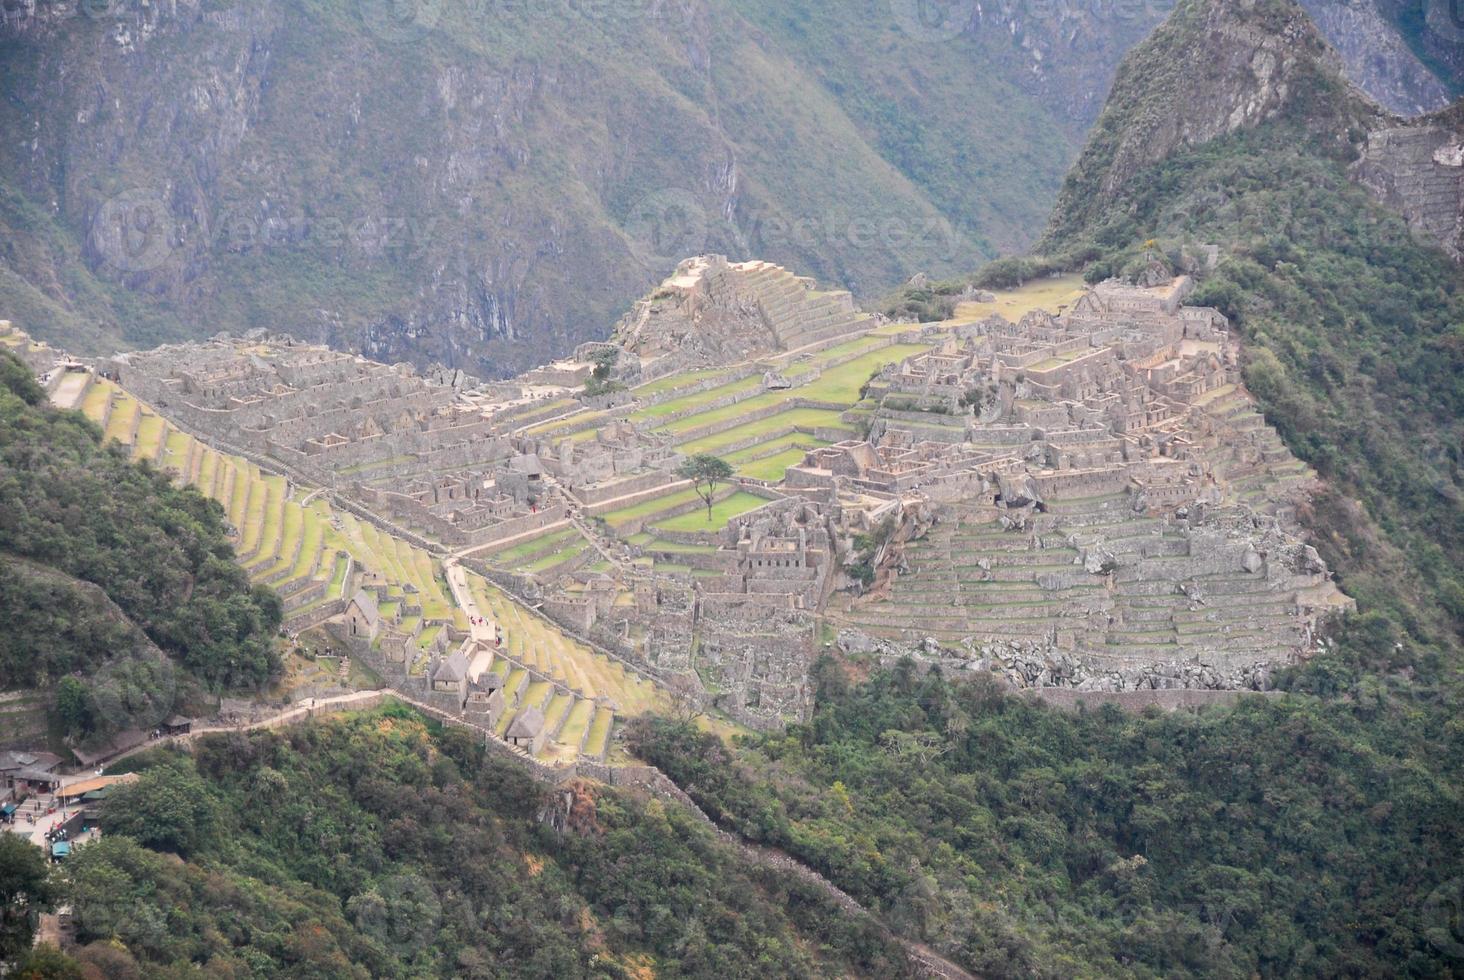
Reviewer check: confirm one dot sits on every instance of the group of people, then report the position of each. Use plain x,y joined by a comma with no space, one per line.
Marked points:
485,621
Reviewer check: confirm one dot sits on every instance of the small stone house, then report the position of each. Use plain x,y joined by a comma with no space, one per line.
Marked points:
450,676
485,700
527,731
363,618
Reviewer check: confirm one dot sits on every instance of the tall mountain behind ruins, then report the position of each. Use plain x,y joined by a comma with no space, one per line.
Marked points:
1073,488
562,158
1217,69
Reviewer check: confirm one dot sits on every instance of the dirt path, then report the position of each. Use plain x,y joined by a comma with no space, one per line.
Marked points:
929,962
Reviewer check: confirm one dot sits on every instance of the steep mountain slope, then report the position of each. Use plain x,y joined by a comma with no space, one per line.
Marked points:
1353,318
105,568
486,185
1384,51
1434,31
1210,70
1324,226
382,846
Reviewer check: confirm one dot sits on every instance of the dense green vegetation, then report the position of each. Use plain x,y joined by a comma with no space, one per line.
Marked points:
158,551
25,891
375,847
1311,834
63,636
1291,837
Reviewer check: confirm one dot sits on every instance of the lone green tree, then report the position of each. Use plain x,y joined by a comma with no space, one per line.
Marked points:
705,472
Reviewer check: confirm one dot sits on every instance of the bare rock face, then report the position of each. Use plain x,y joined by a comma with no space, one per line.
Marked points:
1376,57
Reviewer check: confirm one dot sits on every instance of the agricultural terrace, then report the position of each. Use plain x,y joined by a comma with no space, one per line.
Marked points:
579,690
1041,294
293,540
299,546
760,433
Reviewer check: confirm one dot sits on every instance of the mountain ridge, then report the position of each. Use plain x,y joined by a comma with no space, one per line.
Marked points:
271,182
562,158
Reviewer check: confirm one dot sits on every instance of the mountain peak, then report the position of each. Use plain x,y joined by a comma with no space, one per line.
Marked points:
1214,67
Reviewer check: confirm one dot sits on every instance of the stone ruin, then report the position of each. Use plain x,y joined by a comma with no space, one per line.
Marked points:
1111,512
1417,170
711,311
1088,499
406,445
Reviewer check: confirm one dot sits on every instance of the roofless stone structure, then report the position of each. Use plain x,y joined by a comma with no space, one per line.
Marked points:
1086,497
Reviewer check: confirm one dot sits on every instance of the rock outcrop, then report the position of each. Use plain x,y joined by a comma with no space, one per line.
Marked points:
1217,67
1377,58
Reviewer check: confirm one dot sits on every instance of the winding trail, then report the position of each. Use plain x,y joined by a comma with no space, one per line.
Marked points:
922,957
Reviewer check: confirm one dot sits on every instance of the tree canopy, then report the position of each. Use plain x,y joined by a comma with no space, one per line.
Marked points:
157,550
706,472
382,846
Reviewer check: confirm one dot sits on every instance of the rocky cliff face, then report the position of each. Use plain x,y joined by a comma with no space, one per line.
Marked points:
1217,68
486,185
1377,57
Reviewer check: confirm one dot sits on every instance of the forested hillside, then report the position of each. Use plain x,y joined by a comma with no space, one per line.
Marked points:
104,563
379,847
1313,835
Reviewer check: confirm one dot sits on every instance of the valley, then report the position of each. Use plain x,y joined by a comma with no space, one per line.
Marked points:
635,490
